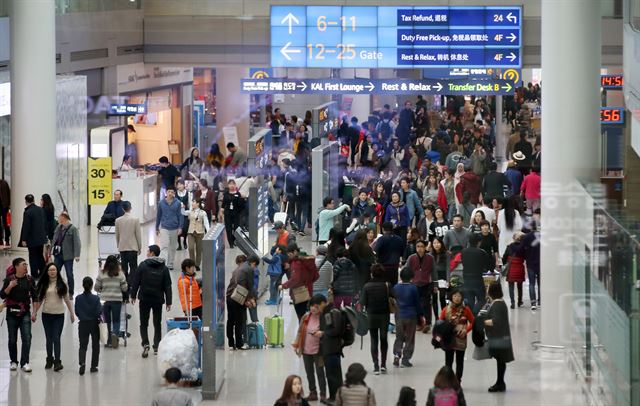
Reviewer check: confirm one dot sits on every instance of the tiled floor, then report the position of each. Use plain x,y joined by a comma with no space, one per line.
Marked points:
255,377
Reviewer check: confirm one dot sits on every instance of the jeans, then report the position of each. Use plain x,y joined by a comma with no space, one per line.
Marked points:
475,296
145,311
88,328
129,261
68,267
511,292
5,230
111,311
425,293
311,362
53,324
273,287
168,245
195,248
405,338
339,300
448,356
36,260
534,279
236,320
22,323
453,209
333,371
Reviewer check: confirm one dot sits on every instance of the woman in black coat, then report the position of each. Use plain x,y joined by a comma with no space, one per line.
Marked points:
499,334
375,300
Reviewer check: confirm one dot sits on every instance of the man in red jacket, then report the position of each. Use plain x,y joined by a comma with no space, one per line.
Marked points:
530,190
421,263
302,274
469,182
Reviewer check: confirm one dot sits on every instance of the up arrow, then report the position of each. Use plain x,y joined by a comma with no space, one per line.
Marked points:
510,17
512,37
304,86
439,87
507,87
371,87
290,19
285,51
512,57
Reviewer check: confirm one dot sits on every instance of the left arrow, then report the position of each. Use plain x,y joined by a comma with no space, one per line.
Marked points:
290,19
285,51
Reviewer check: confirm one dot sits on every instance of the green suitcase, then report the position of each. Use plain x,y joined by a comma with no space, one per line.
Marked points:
274,327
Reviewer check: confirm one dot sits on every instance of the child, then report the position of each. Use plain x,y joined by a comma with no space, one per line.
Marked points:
88,309
171,395
409,312
274,270
446,389
189,289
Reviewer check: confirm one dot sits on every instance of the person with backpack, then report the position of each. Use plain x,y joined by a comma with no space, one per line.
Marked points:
461,316
303,273
307,345
189,290
332,332
152,284
274,270
355,391
344,279
446,390
111,284
410,311
375,300
66,248
18,291
52,295
88,310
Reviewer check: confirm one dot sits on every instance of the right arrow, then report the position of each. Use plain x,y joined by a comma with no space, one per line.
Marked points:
371,87
512,57
304,86
507,87
290,19
512,37
285,51
439,87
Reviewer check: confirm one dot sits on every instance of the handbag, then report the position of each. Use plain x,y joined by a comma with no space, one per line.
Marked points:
505,269
239,294
393,304
481,353
300,294
104,332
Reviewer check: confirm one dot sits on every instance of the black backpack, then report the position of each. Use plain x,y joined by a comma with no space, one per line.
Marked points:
349,323
385,129
153,279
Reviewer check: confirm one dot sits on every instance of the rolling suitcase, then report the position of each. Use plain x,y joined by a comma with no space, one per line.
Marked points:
274,327
255,335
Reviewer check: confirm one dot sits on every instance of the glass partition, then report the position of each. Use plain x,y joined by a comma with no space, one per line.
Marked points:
634,14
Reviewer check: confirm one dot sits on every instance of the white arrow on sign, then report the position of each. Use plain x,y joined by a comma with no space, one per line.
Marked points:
512,37
304,86
512,57
371,87
285,51
512,18
439,87
290,19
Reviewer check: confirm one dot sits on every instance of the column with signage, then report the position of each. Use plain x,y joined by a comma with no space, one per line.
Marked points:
325,120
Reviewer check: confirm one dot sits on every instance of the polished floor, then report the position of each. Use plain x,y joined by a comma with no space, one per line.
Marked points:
255,377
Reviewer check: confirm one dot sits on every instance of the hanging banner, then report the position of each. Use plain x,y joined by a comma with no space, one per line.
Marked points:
99,179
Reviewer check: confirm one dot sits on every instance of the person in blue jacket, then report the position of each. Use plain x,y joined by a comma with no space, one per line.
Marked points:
411,200
397,214
409,313
274,270
88,309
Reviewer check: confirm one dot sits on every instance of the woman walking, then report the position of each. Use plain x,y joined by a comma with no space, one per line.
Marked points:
516,271
461,316
197,228
499,335
375,300
52,296
111,284
307,345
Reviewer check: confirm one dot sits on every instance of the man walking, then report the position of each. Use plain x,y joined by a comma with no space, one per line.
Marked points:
18,291
129,241
169,221
5,204
475,262
421,263
457,238
153,282
34,235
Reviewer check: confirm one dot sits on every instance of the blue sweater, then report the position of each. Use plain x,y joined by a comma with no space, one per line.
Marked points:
169,217
88,307
408,300
275,264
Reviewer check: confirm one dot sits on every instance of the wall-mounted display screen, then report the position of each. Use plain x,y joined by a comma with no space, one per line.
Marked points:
611,81
612,115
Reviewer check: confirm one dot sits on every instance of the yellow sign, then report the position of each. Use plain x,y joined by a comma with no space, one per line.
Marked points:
99,179
512,75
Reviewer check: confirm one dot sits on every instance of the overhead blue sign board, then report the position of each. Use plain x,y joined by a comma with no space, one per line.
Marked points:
396,37
377,86
127,109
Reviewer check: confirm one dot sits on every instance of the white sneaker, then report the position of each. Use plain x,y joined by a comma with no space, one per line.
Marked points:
14,366
26,368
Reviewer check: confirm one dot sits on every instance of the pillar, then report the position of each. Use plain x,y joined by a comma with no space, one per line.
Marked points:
501,137
571,60
33,104
232,107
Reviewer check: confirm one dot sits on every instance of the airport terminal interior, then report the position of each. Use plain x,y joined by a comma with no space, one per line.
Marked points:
350,203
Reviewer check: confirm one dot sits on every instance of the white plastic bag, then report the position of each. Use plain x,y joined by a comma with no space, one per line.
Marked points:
104,333
179,349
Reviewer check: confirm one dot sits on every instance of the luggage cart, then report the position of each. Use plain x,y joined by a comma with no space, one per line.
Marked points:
107,243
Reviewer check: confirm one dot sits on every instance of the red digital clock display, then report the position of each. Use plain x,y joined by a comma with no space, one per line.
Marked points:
611,81
612,115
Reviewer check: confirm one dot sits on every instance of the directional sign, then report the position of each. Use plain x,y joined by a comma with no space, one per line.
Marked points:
396,37
378,86
127,109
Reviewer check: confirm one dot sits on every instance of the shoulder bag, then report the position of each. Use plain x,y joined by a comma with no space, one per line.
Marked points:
57,247
393,304
300,294
240,294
